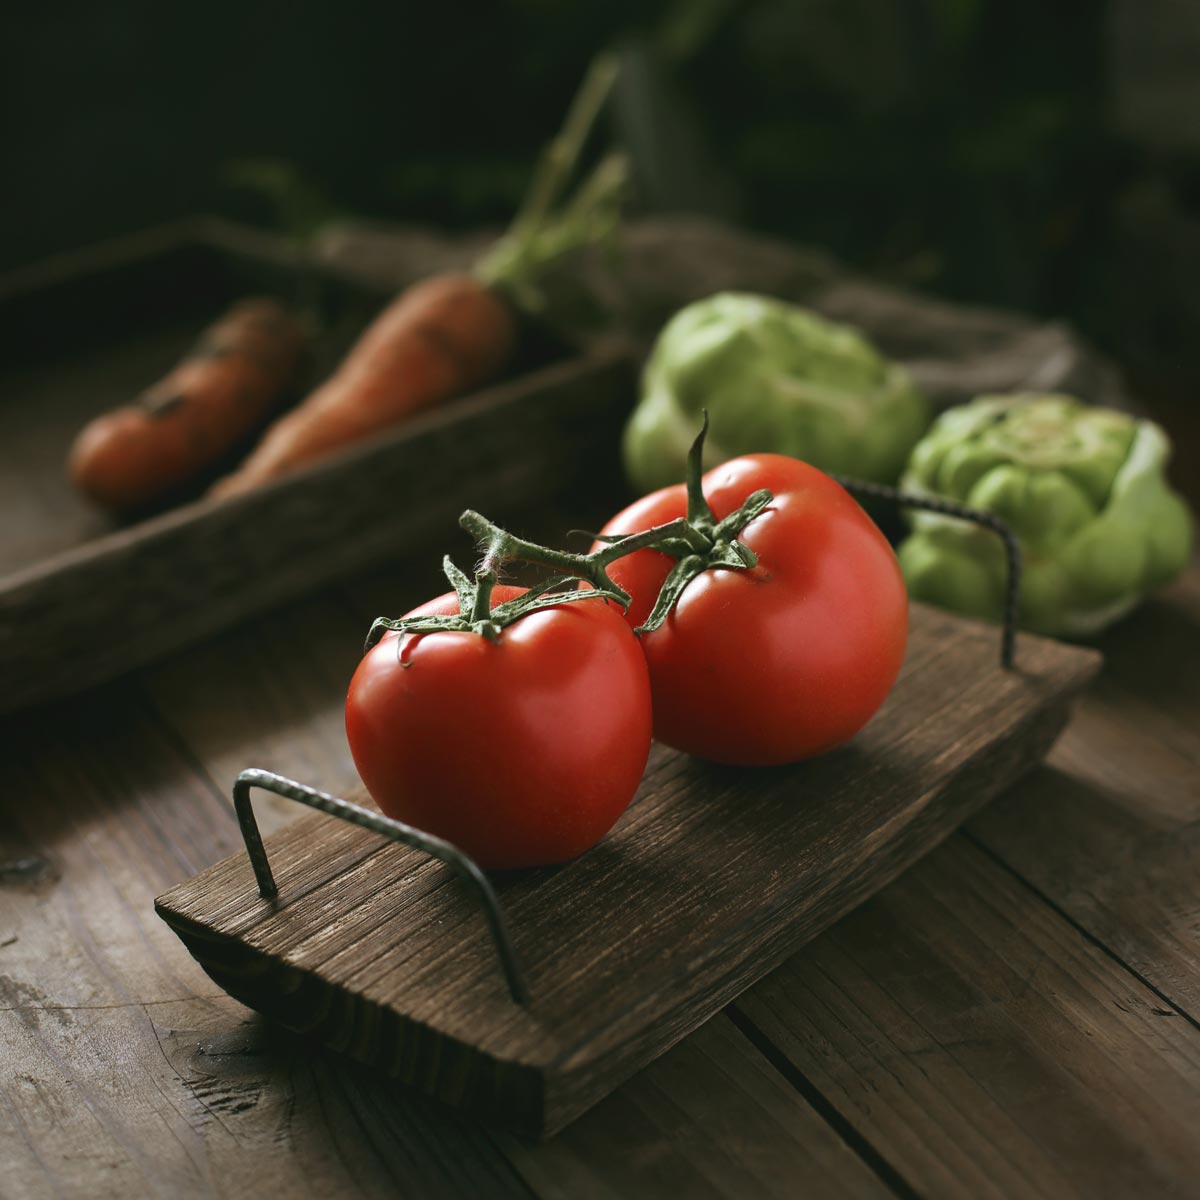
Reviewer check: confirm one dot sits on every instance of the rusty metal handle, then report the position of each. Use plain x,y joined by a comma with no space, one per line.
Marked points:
949,508
463,866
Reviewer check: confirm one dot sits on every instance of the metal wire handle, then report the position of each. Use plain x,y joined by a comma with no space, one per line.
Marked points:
463,866
948,508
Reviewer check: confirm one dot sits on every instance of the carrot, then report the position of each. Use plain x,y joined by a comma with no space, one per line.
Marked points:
225,388
449,334
436,340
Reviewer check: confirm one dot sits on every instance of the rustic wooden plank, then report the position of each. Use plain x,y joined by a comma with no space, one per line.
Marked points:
984,1047
392,964
1109,830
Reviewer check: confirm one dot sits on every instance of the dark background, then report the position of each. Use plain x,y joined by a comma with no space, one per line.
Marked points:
1041,156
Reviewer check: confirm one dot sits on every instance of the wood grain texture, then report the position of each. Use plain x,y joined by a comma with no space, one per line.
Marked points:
198,1098
982,1046
376,952
126,1073
1109,830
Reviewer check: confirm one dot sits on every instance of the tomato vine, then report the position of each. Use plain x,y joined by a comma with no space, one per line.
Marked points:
698,542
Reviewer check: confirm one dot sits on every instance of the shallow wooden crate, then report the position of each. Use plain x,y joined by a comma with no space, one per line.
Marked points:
83,599
710,880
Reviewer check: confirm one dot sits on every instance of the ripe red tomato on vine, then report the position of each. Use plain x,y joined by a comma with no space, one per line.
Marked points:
773,655
521,744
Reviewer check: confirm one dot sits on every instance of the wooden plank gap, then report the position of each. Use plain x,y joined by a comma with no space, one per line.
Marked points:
871,1157
1079,928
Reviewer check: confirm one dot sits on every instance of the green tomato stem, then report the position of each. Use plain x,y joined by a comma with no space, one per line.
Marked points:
698,541
485,582
657,537
501,546
700,515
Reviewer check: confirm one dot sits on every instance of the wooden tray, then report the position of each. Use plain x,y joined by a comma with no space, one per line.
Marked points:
710,880
82,599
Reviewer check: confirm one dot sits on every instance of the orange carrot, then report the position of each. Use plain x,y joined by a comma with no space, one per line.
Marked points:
436,340
451,333
216,397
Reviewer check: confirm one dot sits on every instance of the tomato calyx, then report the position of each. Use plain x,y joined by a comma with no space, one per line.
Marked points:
704,544
475,612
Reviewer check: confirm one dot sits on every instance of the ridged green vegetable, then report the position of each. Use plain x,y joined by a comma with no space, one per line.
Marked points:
1083,488
772,377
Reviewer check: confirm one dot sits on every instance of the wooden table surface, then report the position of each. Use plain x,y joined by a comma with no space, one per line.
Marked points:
1017,1016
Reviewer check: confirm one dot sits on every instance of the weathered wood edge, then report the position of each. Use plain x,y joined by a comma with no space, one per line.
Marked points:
539,1104
403,1049
188,573
200,232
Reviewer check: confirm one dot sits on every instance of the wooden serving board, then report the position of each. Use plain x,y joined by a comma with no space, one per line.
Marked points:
709,881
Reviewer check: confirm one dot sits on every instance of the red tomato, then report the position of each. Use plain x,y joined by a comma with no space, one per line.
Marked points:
783,660
521,752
